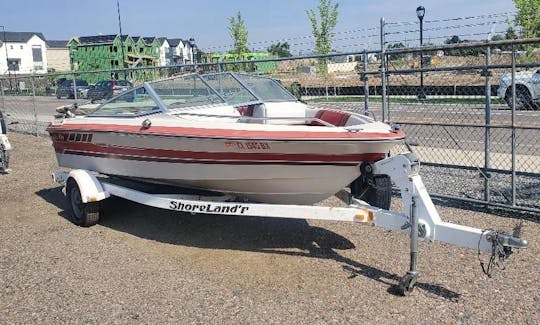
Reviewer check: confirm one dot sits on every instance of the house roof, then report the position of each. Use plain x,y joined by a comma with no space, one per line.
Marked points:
19,37
162,40
55,44
97,39
175,41
148,40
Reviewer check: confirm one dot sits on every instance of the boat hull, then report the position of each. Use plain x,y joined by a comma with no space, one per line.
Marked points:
286,171
272,183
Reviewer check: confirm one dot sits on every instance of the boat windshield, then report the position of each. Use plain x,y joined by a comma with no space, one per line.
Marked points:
241,88
230,88
194,90
132,103
266,89
186,91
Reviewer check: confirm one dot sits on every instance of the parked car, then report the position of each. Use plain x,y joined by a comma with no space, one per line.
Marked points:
107,89
527,89
65,89
83,92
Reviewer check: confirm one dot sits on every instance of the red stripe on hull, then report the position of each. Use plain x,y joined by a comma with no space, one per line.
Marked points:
227,133
146,154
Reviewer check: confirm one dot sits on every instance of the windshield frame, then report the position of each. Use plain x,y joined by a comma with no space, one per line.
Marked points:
149,90
163,108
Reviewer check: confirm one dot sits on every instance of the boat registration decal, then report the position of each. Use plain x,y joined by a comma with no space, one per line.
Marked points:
178,205
251,145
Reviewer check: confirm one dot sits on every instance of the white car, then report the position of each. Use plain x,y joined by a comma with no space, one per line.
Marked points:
527,89
82,92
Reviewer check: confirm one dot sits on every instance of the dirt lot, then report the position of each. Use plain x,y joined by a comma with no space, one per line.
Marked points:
142,265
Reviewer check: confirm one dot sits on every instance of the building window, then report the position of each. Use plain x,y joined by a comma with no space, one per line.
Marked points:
13,64
21,47
11,47
37,54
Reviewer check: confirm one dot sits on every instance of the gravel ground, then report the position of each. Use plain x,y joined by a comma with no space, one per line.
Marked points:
143,265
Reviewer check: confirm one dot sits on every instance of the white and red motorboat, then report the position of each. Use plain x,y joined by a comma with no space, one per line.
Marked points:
227,132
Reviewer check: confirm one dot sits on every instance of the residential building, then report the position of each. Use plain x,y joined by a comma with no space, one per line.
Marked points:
181,51
110,53
164,50
26,53
57,55
264,67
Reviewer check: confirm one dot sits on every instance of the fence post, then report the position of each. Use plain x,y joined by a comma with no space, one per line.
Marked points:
487,134
74,89
364,78
383,74
2,94
513,140
34,104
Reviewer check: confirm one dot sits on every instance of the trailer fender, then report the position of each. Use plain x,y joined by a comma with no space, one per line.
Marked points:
89,186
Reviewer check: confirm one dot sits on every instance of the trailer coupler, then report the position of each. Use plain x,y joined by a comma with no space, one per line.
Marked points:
502,244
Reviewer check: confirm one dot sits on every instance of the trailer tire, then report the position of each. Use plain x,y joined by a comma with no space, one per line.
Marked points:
82,214
376,190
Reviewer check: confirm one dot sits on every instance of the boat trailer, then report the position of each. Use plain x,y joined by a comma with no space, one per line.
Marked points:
84,189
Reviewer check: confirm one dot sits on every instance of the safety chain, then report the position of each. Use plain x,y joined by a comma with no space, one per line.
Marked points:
499,252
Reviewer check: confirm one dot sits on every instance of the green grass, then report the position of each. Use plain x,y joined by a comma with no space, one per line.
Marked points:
402,100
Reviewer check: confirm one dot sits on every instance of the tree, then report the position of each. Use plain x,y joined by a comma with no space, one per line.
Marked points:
528,17
467,51
239,34
280,49
396,46
509,34
322,28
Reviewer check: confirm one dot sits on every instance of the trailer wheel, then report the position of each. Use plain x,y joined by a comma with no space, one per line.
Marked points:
82,214
373,189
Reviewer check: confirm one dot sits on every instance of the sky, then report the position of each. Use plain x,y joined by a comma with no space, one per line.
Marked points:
268,21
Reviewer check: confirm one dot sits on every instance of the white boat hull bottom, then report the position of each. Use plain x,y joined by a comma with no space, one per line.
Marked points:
275,183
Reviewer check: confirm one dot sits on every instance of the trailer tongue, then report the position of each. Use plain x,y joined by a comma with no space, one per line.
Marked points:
419,217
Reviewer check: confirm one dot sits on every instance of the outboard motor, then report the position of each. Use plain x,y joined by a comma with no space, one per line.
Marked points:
373,189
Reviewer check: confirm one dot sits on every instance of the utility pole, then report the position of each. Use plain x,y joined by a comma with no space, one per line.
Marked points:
7,59
121,39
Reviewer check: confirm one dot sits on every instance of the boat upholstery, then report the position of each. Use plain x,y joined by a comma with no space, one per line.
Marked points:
279,112
337,118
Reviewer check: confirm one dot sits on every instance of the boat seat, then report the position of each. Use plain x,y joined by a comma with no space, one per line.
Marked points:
245,110
334,117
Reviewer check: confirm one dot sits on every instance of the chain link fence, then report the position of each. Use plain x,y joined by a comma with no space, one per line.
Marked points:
469,110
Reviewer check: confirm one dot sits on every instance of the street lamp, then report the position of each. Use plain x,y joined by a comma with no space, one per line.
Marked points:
420,11
193,53
192,44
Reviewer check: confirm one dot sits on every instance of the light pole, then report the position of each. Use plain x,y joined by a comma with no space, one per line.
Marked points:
7,59
121,40
420,11
193,53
